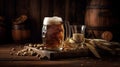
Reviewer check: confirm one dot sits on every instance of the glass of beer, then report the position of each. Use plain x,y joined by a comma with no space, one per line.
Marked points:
78,33
53,33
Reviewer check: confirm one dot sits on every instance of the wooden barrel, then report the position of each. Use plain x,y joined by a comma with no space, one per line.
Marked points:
99,20
20,33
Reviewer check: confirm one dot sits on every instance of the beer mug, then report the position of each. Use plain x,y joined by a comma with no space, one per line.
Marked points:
53,33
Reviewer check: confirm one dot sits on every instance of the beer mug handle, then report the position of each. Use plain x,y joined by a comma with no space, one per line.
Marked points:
44,31
67,30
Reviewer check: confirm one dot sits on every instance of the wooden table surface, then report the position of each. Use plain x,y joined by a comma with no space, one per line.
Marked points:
7,60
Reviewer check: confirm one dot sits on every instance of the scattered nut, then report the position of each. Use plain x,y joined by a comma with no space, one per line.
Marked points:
38,55
30,45
13,49
30,50
34,45
11,53
24,50
18,54
25,54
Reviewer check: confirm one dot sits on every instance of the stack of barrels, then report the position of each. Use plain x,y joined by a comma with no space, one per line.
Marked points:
20,31
100,21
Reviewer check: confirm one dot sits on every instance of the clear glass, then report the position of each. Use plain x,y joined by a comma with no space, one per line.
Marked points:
78,33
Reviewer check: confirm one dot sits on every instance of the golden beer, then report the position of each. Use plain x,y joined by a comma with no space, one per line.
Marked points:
53,33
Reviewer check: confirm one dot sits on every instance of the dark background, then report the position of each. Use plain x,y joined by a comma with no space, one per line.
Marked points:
70,10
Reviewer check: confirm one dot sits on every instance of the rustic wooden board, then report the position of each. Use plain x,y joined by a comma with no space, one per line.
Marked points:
6,60
52,55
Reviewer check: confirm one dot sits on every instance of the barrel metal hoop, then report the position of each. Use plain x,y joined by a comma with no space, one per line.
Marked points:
100,28
18,27
98,7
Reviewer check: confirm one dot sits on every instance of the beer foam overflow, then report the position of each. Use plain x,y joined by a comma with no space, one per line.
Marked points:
52,20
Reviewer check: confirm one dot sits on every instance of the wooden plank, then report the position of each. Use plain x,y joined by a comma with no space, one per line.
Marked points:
9,14
66,10
2,7
15,61
2,23
72,12
80,11
52,55
10,9
45,7
22,7
59,8
34,11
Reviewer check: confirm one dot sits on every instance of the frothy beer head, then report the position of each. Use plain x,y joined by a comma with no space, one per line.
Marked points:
52,20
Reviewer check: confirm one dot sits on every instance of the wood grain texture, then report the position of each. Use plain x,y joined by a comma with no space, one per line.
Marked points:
99,18
24,61
70,10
